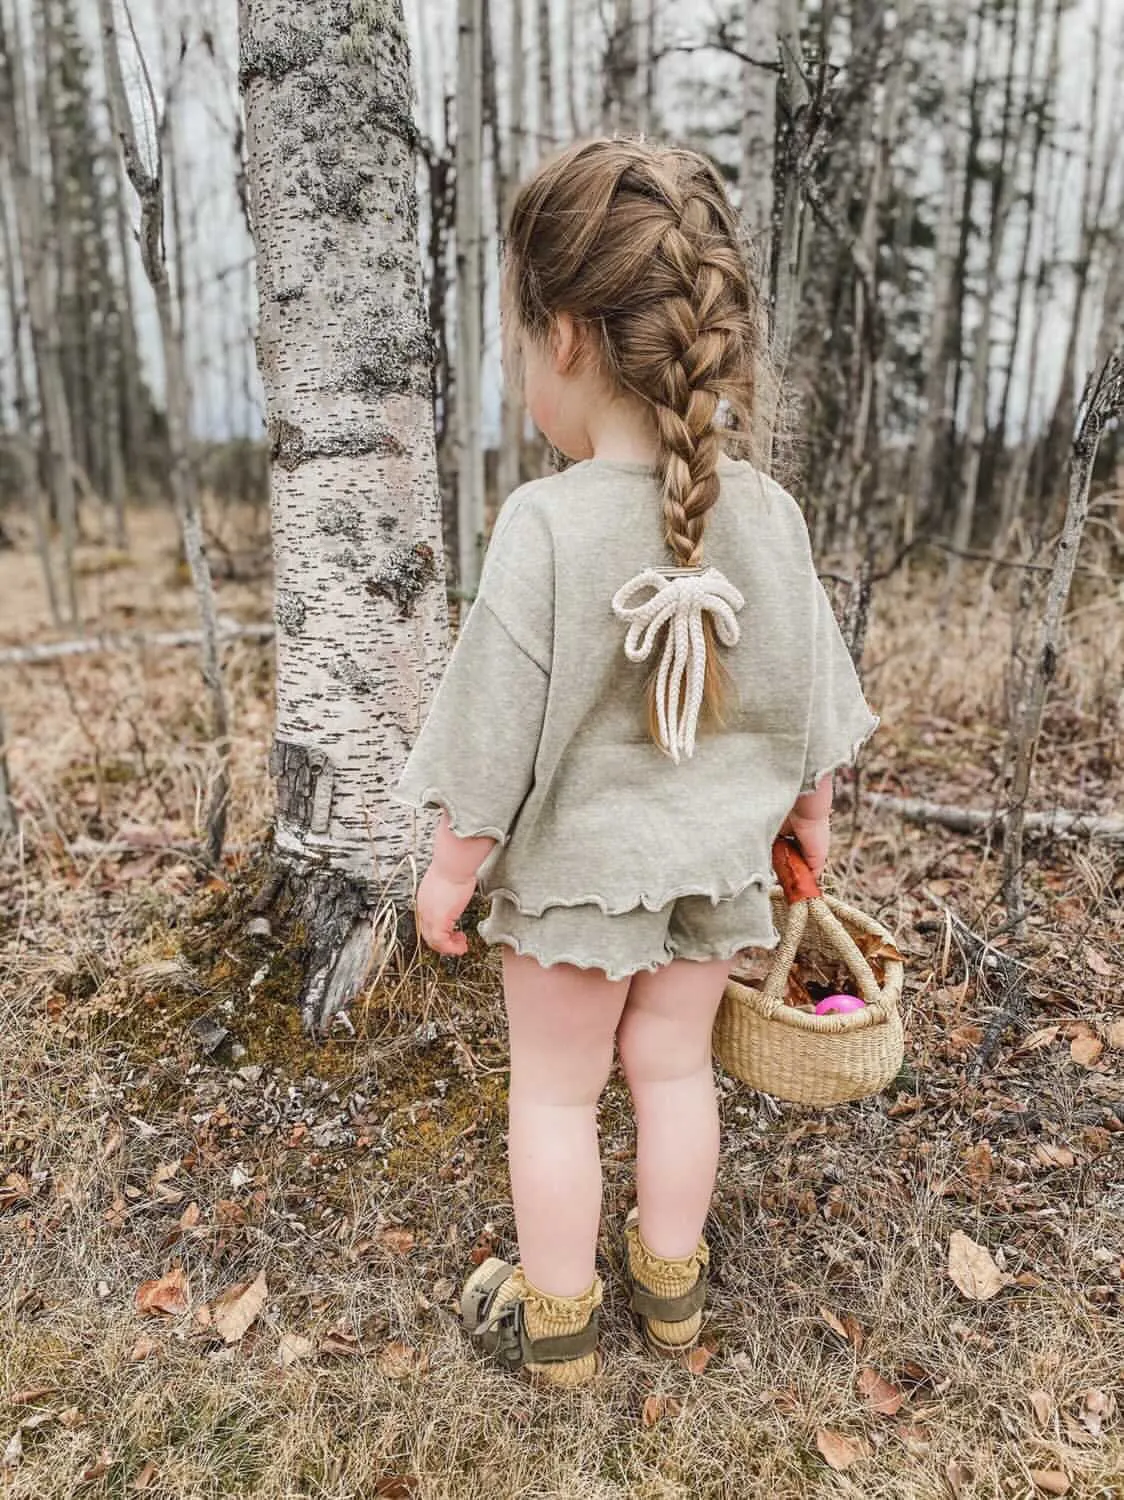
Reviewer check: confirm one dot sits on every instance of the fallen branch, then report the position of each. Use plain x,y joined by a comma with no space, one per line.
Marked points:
1000,976
137,641
1055,824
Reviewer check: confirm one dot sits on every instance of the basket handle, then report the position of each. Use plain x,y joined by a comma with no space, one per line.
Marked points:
805,900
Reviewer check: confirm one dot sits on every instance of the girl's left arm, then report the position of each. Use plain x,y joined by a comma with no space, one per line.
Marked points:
447,887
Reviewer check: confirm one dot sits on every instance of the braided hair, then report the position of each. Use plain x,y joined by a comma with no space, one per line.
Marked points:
639,244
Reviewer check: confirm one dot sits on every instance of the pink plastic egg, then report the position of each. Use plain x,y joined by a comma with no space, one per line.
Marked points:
839,1004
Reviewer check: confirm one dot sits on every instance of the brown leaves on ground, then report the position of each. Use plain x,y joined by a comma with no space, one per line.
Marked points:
878,1393
1114,1036
846,1326
1050,1481
144,1479
973,1269
397,1239
840,1452
168,1295
400,1361
293,1347
238,1308
655,1408
1086,1046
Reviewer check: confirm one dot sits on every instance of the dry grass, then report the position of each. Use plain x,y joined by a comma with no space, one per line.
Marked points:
298,1160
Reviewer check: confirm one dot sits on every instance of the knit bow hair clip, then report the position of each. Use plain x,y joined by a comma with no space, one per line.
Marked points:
679,598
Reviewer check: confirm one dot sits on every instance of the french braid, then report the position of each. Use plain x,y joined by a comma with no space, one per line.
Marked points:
639,244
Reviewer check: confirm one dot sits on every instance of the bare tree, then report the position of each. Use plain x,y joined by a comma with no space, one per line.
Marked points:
759,122
470,292
345,356
1101,405
149,187
30,216
545,48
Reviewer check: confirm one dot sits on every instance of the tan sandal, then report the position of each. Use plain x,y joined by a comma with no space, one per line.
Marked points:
499,1323
649,1307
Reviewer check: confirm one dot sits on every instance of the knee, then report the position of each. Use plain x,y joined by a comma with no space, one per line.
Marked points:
654,1050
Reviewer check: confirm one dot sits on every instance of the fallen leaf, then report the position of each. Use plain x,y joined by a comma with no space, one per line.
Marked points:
972,1268
443,1290
837,1451
1038,1039
1085,1049
657,1407
190,1216
98,1469
35,1393
169,1294
144,1478
72,1418
236,1309
340,1340
397,1239
958,1475
846,1326
1114,1035
1097,962
13,1451
114,1140
396,1487
878,1393
916,1439
698,1359
1050,1481
1042,1406
143,1349
1096,1407
400,1361
1053,1156
292,1347
484,1247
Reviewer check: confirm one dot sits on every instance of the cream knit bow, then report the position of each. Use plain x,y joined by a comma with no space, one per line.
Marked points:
681,595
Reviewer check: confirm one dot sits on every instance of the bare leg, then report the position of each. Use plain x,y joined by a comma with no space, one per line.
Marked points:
665,1047
562,1022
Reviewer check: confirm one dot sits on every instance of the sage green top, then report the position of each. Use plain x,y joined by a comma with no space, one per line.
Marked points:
538,734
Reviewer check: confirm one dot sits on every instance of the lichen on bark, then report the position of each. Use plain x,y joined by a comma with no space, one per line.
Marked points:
404,575
286,49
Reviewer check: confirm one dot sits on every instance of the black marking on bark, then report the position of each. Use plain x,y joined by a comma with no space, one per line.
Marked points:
286,443
403,576
339,517
1049,661
274,57
291,293
388,525
344,668
290,612
317,92
392,350
361,441
304,776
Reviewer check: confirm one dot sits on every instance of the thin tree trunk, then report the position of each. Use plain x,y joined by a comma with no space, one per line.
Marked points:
759,123
182,480
470,333
30,226
132,392
9,822
511,403
344,349
574,27
796,99
1102,404
545,40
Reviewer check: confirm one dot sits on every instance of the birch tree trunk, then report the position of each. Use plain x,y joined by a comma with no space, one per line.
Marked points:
547,135
148,186
796,98
1102,405
511,411
759,123
33,254
470,292
344,350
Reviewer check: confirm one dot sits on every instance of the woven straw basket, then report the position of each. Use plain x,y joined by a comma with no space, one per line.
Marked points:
793,1054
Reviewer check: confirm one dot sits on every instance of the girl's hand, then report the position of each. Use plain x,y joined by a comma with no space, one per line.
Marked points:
813,835
440,904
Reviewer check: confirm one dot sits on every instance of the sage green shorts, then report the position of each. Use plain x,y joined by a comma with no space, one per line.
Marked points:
693,927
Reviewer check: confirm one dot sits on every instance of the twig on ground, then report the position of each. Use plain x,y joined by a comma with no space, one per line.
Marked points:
1057,823
993,965
229,630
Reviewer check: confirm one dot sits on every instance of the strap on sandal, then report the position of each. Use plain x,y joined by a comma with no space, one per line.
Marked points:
671,1309
504,1333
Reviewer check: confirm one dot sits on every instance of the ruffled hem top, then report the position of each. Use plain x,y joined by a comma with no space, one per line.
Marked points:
538,734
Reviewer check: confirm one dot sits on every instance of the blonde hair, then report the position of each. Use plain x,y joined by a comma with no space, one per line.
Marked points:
639,244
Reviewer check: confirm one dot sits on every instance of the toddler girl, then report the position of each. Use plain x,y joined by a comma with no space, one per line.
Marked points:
649,688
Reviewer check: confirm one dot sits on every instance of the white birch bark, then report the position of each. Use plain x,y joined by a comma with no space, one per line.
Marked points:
345,356
547,136
511,414
759,124
788,259
470,292
34,250
148,186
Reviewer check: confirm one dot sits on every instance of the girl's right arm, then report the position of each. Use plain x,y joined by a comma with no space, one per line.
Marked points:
809,823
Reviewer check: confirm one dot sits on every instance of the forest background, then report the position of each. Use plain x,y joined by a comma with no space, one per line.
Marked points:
228,1247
